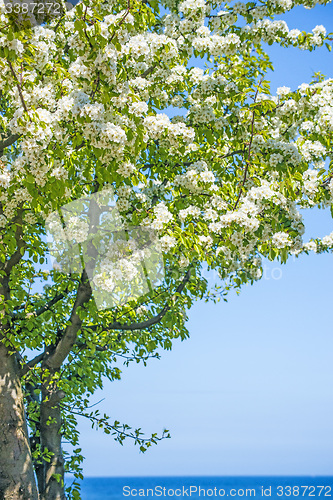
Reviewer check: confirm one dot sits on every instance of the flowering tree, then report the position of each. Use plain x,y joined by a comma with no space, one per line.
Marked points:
84,102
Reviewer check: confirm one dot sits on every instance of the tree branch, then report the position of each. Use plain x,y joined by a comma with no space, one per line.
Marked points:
65,344
150,322
33,362
247,161
52,302
116,428
18,88
8,265
8,141
42,309
148,71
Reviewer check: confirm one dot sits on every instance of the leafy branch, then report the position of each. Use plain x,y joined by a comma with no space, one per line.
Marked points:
118,430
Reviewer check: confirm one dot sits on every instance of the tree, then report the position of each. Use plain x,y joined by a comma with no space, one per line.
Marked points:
219,185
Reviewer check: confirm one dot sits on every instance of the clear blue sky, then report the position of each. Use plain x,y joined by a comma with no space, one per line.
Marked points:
250,393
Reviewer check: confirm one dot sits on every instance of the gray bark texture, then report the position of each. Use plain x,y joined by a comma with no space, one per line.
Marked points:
17,480
52,487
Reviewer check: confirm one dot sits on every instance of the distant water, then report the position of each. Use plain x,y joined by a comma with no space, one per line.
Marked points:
165,488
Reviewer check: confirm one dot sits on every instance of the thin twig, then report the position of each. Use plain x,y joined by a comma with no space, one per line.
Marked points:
18,88
249,150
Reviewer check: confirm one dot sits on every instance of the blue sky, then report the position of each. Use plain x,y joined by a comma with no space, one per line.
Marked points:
250,393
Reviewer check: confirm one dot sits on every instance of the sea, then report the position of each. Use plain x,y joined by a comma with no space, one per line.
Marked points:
165,488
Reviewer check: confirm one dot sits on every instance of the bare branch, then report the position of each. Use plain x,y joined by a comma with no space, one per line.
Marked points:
237,152
30,364
18,88
8,141
65,344
148,71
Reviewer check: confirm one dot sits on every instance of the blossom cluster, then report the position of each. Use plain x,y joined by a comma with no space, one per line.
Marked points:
222,181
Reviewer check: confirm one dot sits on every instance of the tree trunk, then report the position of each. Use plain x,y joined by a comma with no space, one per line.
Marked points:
50,436
35,436
17,480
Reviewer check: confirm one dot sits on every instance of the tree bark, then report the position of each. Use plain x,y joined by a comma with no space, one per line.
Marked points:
17,480
52,487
